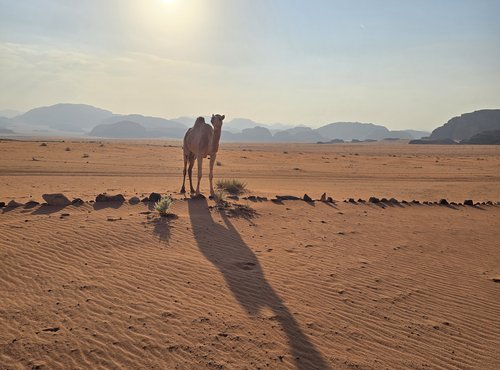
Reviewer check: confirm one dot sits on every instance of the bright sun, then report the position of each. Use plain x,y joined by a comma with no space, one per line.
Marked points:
168,2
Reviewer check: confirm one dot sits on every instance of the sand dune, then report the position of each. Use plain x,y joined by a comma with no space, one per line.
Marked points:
300,285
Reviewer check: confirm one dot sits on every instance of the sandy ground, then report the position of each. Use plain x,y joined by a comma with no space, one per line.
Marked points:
297,285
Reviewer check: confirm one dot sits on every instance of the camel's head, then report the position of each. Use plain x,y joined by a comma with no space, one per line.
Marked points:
217,121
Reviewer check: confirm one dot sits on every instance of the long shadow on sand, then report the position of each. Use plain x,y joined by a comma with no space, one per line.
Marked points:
223,246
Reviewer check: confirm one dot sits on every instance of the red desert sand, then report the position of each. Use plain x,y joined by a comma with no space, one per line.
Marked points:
260,284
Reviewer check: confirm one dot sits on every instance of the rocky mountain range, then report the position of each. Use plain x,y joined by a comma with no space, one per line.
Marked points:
86,120
467,125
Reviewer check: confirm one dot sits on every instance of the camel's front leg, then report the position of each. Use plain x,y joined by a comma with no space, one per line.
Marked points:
190,172
211,174
200,164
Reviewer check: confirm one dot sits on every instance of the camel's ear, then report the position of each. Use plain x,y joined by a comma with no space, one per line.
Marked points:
223,116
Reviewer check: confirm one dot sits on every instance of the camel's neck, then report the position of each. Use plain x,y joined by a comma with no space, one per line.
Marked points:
215,140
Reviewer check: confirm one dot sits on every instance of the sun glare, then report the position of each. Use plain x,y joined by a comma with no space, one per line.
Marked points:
167,2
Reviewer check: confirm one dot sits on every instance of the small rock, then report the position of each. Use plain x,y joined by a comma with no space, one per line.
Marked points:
330,200
110,198
393,200
374,200
361,200
323,197
233,197
384,200
287,197
415,201
351,200
134,200
77,202
145,200
31,204
2,204
443,202
469,202
114,218
51,329
307,198
154,197
57,199
13,204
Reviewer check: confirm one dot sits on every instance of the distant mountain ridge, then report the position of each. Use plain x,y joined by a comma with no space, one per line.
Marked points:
65,117
85,119
467,125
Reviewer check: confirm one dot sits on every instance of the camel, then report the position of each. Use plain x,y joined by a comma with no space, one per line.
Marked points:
201,140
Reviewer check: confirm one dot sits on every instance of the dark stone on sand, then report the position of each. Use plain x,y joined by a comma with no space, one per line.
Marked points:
307,198
154,197
134,200
287,197
393,200
374,200
2,204
426,202
415,201
443,202
13,204
145,200
109,198
489,202
384,200
233,197
31,204
404,202
351,200
51,329
253,198
77,202
361,200
330,200
57,199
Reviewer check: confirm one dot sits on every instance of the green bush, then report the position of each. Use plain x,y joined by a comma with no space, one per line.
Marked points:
232,186
163,205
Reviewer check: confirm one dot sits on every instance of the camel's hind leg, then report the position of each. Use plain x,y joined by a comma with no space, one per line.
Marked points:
186,157
190,171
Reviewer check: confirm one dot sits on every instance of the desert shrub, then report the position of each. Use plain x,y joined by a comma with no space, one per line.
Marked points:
218,163
219,196
43,144
232,186
68,149
163,205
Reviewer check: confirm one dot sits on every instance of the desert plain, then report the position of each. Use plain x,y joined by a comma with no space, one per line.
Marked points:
274,284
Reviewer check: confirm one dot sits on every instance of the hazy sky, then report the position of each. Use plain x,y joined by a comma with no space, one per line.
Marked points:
400,63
